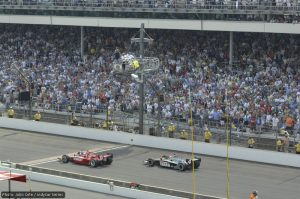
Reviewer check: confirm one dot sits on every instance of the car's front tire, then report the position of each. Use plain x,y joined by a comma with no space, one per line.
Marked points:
150,162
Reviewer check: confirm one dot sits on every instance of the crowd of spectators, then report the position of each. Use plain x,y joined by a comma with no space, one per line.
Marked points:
287,11
202,4
261,88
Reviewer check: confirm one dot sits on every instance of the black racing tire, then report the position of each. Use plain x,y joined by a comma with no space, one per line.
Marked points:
94,163
181,167
100,162
109,161
150,162
65,159
196,164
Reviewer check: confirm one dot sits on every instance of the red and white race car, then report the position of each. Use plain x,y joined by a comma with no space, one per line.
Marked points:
88,158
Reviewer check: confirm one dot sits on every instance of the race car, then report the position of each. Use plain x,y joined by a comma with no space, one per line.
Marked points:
88,158
173,162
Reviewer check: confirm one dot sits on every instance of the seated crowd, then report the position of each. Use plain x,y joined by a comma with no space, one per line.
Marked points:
260,89
237,4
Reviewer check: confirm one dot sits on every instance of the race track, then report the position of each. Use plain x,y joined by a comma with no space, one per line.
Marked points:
271,181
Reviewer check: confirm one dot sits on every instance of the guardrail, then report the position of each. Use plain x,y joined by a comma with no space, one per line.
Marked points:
105,185
127,122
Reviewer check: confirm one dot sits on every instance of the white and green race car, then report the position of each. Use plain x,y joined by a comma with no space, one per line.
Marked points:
174,162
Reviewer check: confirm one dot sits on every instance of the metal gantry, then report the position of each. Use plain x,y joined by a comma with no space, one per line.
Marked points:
28,83
141,40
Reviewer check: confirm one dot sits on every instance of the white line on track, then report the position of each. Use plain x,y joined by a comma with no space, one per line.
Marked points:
98,151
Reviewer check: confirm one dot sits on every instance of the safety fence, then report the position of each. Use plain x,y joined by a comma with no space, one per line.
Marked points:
104,118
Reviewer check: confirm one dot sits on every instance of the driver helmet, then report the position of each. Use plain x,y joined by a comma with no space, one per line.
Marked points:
172,155
255,193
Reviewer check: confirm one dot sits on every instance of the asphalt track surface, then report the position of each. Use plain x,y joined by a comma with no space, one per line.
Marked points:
272,182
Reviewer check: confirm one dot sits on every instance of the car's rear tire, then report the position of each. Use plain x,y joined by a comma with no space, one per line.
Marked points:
181,167
150,162
94,163
65,159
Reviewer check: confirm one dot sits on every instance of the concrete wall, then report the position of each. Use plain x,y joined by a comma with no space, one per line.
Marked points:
205,25
218,150
90,186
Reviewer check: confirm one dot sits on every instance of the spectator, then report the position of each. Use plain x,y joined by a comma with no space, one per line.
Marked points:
253,123
297,148
286,143
289,122
207,136
10,112
171,130
184,134
115,127
107,124
263,84
283,132
190,122
285,5
74,120
37,116
275,122
251,142
259,124
279,145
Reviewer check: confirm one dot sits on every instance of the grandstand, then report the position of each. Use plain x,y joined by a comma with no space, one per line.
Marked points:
250,76
198,61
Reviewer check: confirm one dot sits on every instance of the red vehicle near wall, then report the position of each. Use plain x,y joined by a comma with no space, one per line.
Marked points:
88,158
